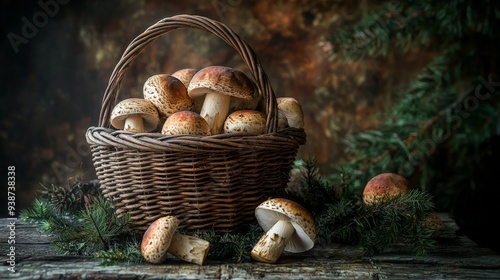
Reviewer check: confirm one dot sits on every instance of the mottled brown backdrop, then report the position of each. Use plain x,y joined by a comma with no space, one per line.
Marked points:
53,81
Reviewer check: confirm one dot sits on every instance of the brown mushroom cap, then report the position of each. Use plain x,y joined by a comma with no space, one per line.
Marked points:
271,211
157,238
167,93
291,110
135,107
185,75
383,186
185,122
223,80
245,121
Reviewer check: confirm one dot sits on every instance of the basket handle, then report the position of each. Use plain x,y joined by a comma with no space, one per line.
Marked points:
192,21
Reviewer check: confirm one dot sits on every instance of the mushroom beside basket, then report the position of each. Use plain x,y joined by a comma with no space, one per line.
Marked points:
207,182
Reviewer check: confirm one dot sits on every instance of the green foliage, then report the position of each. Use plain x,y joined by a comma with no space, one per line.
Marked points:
344,219
451,105
445,125
88,231
126,252
232,246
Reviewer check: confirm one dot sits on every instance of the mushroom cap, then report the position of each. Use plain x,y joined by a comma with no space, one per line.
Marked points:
185,122
292,110
157,239
275,209
383,186
224,80
185,75
245,121
167,93
135,107
434,223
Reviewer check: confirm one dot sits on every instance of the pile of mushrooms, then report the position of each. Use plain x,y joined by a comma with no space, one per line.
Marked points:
188,101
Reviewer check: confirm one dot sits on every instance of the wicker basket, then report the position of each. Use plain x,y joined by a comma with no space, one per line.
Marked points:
208,182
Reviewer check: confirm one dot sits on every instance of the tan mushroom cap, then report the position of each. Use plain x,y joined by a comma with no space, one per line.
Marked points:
245,121
185,122
135,107
383,186
221,79
272,210
291,110
185,75
157,238
167,93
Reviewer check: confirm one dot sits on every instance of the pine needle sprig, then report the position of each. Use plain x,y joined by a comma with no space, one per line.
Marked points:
395,220
123,253
41,210
235,247
311,190
374,228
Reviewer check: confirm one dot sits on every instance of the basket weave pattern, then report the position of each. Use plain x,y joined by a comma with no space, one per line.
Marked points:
208,182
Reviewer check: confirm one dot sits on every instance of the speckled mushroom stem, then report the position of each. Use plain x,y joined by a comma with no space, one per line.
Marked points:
134,124
189,248
272,243
215,110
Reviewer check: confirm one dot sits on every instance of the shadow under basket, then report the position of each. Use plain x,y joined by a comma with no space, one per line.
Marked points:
207,182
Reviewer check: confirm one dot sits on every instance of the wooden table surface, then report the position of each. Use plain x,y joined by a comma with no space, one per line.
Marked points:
455,257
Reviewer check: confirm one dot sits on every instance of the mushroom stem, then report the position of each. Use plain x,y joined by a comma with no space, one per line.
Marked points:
272,243
134,124
215,110
189,248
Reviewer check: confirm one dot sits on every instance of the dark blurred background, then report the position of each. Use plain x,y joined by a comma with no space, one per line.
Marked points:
57,57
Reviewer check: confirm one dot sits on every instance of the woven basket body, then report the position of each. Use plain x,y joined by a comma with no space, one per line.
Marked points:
208,182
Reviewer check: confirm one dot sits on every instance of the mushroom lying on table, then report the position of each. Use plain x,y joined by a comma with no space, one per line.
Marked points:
289,227
186,122
219,84
384,186
167,93
161,238
135,114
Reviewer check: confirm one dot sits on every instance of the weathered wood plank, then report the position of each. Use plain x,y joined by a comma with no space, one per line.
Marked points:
456,257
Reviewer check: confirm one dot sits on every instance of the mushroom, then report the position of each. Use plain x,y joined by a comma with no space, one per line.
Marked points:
219,84
434,224
160,238
384,186
289,109
135,114
248,121
289,227
185,75
185,122
167,93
